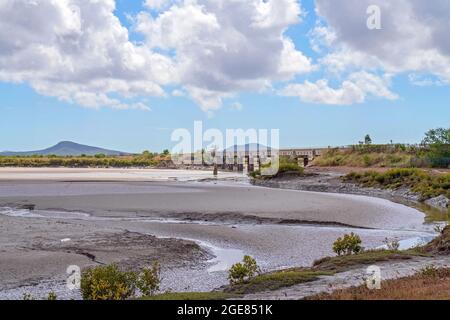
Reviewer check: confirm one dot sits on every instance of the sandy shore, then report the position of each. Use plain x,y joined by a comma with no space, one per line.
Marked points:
135,222
82,174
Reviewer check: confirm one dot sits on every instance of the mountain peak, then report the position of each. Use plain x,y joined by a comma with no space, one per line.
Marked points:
67,148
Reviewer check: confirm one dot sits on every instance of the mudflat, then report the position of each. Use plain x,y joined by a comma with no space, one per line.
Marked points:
195,228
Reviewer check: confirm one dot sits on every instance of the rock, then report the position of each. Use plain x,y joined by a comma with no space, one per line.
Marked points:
441,202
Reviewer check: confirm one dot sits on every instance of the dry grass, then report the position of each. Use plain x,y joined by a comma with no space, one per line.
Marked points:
276,280
419,287
351,158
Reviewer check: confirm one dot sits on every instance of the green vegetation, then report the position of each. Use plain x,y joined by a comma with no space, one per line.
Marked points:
286,167
275,280
143,160
348,245
428,185
52,296
241,272
369,156
369,257
434,151
108,283
437,142
440,245
149,280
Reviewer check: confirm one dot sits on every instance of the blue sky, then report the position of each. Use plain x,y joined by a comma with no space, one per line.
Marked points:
30,120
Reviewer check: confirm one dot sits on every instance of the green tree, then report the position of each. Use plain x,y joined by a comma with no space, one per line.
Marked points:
243,271
439,136
348,245
368,140
437,144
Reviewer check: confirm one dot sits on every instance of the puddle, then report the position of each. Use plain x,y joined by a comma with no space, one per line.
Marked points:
224,258
412,242
19,213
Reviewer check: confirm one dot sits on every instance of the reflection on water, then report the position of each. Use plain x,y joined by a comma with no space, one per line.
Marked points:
411,242
224,258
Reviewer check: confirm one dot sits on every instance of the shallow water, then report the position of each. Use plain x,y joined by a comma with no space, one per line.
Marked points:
126,205
229,242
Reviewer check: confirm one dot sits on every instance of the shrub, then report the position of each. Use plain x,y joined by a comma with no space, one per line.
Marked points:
27,297
430,271
107,283
392,245
348,245
428,185
149,280
241,272
52,296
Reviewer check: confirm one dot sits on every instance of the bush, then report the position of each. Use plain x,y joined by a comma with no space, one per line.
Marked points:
348,245
149,280
430,271
52,296
27,297
241,272
428,185
392,245
108,283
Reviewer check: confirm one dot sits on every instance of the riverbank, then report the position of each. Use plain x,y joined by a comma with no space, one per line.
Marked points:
330,180
196,229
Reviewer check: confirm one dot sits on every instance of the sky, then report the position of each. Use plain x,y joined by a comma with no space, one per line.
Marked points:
125,74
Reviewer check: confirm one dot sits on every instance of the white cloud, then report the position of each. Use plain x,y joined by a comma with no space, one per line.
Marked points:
77,51
353,90
156,4
223,47
413,38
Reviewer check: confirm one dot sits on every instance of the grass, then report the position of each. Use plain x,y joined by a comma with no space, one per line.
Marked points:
344,263
428,185
99,161
366,156
189,296
323,267
286,167
276,280
440,245
422,286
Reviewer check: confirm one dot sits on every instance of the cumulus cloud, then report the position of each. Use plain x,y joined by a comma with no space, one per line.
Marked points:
223,47
413,38
353,90
77,51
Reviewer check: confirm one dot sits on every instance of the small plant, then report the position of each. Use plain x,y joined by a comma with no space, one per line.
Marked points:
439,228
392,245
27,297
430,271
348,245
108,283
241,272
52,296
149,280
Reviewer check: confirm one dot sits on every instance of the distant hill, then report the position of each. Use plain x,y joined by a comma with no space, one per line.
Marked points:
67,148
